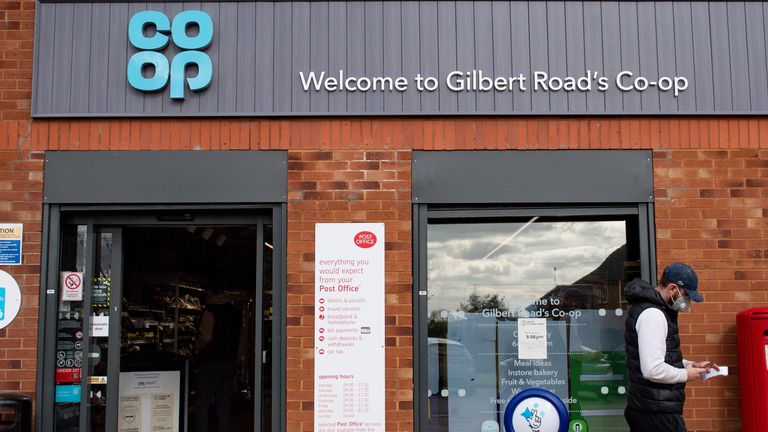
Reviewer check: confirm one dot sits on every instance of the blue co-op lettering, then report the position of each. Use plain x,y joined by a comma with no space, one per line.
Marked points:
153,45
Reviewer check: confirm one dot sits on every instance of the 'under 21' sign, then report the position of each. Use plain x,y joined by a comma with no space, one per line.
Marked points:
152,46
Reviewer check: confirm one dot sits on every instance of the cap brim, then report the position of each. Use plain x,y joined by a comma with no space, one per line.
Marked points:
694,294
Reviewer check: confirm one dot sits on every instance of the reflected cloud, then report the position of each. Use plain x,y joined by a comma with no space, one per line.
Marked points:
542,256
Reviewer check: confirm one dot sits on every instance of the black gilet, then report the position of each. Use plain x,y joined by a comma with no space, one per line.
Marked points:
226,334
645,395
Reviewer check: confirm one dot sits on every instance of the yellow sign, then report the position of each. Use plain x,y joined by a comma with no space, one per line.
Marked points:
97,380
10,231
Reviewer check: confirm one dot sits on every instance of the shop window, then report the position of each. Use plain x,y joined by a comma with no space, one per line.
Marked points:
484,274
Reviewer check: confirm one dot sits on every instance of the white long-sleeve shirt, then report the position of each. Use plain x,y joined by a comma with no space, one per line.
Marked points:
652,331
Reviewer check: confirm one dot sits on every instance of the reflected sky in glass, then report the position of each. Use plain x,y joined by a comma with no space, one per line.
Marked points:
512,259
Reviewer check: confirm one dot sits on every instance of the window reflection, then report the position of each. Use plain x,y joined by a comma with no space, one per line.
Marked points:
484,277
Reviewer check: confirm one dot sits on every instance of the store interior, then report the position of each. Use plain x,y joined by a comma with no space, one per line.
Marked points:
171,275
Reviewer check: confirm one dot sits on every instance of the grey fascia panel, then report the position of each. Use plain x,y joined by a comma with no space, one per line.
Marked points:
165,177
527,177
260,47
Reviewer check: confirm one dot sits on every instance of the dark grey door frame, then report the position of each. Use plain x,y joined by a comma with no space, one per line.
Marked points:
115,310
111,219
423,213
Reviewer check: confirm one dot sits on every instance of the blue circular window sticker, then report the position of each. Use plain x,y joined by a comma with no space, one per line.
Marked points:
536,410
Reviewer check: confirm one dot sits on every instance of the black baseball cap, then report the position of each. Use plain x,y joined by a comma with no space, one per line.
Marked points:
683,276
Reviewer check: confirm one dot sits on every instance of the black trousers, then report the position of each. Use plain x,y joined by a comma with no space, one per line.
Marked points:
643,421
215,382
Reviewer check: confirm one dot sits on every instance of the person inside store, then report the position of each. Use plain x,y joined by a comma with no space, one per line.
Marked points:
574,298
657,372
217,347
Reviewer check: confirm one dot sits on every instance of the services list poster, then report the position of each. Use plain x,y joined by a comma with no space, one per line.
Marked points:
349,327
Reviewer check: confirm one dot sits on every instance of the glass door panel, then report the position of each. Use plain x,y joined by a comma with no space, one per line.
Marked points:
70,335
84,378
99,308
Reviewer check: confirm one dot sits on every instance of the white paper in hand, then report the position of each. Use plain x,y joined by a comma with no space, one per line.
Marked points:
714,372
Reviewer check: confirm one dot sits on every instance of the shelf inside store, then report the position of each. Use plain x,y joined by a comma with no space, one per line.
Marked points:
188,287
143,309
141,342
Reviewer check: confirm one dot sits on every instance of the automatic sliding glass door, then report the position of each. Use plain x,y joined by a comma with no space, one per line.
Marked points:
135,293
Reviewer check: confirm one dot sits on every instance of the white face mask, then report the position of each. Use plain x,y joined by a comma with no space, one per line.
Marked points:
681,304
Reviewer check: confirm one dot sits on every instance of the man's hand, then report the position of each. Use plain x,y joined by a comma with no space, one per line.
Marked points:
706,365
693,371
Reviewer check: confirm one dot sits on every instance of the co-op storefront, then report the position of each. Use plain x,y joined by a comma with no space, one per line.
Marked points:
415,210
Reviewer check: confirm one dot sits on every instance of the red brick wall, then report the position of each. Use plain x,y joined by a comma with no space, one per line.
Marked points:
418,133
349,186
710,212
17,22
21,201
711,198
20,190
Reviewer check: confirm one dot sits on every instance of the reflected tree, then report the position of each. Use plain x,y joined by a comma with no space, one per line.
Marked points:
477,303
437,326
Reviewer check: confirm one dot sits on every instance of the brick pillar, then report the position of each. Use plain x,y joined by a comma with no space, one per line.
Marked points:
17,21
349,186
711,208
21,202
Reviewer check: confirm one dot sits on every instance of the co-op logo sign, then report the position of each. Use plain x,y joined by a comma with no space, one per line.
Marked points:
152,56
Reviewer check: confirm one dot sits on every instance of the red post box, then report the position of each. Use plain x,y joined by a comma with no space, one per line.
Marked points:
752,332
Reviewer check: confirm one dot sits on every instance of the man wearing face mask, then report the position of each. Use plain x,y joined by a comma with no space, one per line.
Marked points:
656,370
